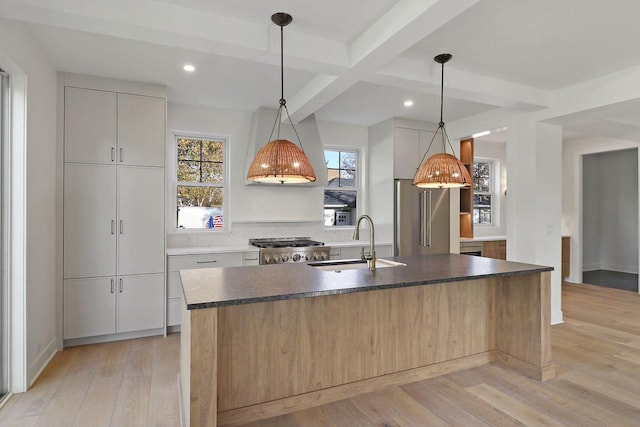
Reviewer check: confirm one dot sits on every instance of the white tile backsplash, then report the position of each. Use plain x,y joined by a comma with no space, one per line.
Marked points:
240,234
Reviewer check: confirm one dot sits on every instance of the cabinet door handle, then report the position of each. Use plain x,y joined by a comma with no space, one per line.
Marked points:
206,262
112,286
121,226
113,154
113,226
251,259
121,157
429,217
121,286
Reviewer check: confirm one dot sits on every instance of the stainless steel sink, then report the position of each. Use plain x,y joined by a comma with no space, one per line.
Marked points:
352,264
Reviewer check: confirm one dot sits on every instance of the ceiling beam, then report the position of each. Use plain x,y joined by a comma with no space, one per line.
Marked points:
404,25
406,73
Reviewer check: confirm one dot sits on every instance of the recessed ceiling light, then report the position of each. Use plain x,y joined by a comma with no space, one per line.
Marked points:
408,103
189,68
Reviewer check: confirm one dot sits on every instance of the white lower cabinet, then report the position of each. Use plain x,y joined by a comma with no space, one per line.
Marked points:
140,302
108,305
89,307
175,263
251,258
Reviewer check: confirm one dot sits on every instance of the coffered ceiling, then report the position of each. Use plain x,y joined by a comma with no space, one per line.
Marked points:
357,61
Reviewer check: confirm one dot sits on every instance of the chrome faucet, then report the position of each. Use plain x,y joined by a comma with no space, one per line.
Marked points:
371,256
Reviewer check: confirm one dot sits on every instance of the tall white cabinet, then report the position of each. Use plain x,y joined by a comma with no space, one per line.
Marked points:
114,242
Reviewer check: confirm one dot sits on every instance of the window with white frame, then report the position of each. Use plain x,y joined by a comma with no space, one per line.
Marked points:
201,182
483,179
341,189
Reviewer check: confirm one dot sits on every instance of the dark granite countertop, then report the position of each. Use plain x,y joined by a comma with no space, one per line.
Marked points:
223,286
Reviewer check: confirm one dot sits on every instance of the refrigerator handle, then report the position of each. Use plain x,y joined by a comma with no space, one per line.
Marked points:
423,218
429,213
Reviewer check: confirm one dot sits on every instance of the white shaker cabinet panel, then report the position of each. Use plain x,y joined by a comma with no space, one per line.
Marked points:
89,220
140,130
140,220
436,146
89,307
89,126
406,156
140,302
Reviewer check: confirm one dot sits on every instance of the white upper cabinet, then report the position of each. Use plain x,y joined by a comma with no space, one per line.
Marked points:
409,146
89,220
140,220
89,126
113,128
406,156
140,130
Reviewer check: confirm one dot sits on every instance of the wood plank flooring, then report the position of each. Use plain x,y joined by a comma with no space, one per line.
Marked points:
125,383
596,353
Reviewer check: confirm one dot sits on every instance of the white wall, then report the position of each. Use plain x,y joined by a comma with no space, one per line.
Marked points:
572,190
610,211
592,217
534,153
255,210
619,249
496,151
20,55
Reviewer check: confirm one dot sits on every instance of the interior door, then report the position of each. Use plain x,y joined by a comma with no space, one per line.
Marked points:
140,220
4,276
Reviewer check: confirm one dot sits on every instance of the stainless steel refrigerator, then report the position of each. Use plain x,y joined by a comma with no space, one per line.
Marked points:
421,220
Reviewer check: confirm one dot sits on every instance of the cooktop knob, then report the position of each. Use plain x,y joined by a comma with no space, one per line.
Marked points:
307,257
323,255
316,256
296,257
276,258
285,258
267,259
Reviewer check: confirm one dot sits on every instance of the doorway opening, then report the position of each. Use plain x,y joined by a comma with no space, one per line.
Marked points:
610,219
4,273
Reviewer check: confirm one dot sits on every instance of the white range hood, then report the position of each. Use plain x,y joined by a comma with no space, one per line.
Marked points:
261,126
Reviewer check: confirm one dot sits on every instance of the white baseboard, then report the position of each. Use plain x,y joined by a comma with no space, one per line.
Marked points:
42,360
621,268
113,337
557,317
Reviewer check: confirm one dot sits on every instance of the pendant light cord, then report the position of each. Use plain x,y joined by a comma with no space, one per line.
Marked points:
441,124
283,102
441,127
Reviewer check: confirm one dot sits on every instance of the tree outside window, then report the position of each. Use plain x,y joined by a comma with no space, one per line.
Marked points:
482,192
341,190
201,183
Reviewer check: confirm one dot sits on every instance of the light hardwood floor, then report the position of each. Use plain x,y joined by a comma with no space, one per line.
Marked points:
596,352
125,383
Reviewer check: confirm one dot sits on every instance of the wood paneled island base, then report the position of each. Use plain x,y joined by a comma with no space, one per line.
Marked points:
241,363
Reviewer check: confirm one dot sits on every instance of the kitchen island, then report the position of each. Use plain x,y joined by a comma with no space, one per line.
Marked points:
262,341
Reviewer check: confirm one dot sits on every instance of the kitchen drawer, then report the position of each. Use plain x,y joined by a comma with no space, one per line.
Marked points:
251,258
186,262
174,311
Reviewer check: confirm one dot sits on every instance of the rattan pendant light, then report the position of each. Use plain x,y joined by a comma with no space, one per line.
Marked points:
280,160
442,170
